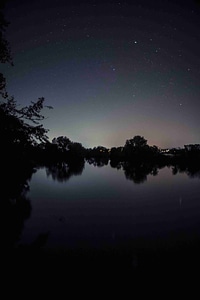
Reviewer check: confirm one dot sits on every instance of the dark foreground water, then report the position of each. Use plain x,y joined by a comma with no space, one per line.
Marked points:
87,224
95,223
101,209
101,215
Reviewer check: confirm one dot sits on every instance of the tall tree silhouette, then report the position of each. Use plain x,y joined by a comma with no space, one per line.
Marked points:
18,126
15,124
135,146
5,53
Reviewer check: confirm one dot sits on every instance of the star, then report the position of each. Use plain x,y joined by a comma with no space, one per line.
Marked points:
78,51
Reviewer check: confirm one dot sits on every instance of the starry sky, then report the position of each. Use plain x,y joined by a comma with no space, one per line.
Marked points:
110,69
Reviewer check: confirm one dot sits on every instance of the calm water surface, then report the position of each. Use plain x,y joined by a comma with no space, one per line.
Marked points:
101,209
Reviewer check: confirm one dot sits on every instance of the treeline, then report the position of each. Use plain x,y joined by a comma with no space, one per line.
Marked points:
135,149
23,136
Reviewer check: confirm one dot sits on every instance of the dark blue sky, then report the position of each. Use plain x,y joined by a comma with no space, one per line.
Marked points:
110,69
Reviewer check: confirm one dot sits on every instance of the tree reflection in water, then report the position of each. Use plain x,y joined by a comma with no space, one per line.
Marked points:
15,207
137,172
63,171
192,169
98,162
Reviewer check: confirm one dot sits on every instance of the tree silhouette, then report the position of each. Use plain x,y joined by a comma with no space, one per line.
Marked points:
135,146
136,142
18,126
14,128
62,143
76,151
67,149
5,53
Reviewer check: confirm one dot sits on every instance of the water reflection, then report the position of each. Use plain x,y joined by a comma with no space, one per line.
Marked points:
137,172
15,207
102,220
192,170
98,162
134,171
62,171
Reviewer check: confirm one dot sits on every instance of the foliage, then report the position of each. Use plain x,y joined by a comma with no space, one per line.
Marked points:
99,151
76,150
15,123
18,126
5,53
192,148
62,143
136,142
135,146
62,146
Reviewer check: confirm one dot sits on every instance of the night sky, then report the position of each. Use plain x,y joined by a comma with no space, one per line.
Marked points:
110,69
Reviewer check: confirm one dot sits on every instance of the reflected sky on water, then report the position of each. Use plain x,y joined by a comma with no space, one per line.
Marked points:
100,208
